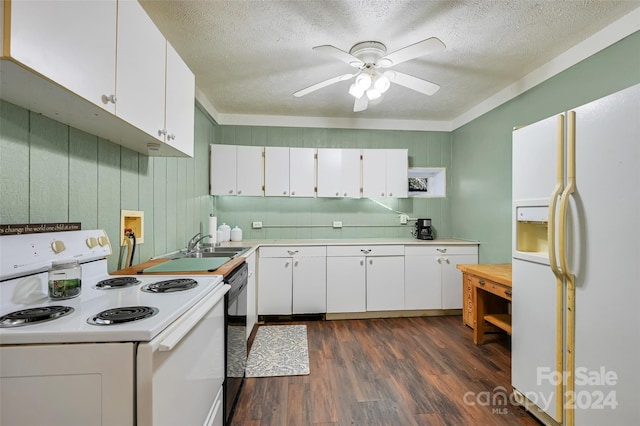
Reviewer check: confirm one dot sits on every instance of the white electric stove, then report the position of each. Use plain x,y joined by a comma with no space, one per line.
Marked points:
95,358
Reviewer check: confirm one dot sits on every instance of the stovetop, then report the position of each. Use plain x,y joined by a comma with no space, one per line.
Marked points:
31,291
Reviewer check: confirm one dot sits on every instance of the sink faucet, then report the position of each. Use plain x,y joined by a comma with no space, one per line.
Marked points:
193,242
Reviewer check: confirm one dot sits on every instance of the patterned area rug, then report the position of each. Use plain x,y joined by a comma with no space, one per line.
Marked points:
279,350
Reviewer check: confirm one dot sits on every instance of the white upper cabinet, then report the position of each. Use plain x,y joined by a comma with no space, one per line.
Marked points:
140,94
339,173
237,170
302,172
101,66
276,171
179,103
384,173
44,36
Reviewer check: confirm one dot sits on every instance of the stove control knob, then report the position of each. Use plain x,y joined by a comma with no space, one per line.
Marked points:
57,246
92,242
103,240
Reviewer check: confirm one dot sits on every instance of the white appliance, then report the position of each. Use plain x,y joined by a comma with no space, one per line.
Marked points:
164,369
576,264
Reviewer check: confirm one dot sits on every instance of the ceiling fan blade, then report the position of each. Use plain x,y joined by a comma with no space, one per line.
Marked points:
322,84
413,83
415,50
361,103
341,55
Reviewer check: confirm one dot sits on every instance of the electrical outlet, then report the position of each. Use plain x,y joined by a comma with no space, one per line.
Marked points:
256,225
403,219
337,224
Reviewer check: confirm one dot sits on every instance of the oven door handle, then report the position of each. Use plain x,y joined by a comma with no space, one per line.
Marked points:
178,331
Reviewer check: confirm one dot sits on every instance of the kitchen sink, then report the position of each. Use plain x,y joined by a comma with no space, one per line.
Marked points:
215,252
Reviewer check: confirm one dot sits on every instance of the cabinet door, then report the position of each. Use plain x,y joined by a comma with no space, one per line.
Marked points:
452,279
276,171
274,288
223,170
302,172
346,285
329,172
73,43
397,169
309,285
140,75
350,172
422,282
385,283
179,103
250,171
374,167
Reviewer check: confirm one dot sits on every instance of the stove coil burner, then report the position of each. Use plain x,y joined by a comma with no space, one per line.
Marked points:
170,286
117,282
34,316
122,315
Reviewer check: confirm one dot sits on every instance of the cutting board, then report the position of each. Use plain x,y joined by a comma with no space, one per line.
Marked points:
188,265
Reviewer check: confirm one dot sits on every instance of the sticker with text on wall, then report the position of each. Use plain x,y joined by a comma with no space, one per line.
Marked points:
35,228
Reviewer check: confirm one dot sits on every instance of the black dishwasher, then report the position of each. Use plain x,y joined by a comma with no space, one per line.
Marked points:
235,339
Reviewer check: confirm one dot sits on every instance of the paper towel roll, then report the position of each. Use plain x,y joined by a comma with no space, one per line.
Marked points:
213,227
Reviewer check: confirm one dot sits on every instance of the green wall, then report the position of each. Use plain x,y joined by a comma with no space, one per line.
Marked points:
481,170
312,217
50,172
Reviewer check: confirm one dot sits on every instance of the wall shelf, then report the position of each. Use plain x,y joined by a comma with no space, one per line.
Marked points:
427,182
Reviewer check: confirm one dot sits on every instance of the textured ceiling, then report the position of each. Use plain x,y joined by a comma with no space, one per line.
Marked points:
249,57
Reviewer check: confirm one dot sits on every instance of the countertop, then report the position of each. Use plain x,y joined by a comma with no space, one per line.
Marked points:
498,272
255,244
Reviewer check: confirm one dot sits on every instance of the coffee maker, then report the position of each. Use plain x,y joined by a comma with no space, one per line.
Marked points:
424,230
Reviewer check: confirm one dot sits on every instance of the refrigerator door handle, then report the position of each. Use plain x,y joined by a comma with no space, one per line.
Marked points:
553,263
564,204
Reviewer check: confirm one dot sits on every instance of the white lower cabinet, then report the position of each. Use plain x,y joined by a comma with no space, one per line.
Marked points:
292,280
432,280
365,278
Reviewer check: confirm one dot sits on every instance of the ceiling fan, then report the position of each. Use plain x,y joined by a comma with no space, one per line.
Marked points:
370,83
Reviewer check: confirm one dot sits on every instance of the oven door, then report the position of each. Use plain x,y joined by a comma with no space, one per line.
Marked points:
180,372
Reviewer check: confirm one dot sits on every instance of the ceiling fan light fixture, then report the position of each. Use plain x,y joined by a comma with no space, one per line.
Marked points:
381,83
355,91
363,81
373,93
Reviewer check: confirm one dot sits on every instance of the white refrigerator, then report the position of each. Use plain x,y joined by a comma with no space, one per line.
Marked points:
576,264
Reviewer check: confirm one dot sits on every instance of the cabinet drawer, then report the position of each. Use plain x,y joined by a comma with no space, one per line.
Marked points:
291,251
492,287
416,250
372,250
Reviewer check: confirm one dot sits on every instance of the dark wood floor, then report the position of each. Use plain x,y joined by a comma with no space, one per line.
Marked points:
401,371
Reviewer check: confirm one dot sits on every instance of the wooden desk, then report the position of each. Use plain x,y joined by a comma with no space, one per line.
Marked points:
486,298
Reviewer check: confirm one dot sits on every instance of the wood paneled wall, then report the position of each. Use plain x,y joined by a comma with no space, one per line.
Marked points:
50,172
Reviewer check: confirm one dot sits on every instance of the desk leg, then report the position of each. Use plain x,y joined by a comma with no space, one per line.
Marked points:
478,330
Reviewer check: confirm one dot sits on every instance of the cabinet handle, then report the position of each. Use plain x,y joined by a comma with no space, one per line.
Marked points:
507,292
382,194
370,261
286,264
337,194
441,250
292,252
443,259
391,194
361,262
231,191
345,194
284,192
171,137
162,132
295,263
481,282
109,98
239,191
293,193
365,251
